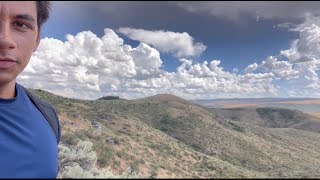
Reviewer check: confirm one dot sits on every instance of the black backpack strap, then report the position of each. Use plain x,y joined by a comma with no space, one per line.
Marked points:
48,112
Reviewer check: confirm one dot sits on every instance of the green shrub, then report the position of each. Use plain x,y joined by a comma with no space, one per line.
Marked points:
105,156
116,141
117,163
153,173
121,154
195,146
135,165
69,139
142,161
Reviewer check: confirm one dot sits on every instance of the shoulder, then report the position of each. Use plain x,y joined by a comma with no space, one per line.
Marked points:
36,98
47,110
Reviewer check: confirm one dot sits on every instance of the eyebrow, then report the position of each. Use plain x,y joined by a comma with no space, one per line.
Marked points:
25,16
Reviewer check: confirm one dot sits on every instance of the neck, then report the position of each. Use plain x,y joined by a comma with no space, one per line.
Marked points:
7,91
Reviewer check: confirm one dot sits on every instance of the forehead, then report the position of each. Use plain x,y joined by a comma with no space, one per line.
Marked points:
12,8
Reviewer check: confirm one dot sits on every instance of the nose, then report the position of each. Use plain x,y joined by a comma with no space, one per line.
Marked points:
6,37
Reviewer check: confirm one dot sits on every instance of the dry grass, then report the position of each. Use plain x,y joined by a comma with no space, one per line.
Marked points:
241,149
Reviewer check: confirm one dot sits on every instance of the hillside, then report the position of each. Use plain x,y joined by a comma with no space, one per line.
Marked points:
167,99
166,136
271,117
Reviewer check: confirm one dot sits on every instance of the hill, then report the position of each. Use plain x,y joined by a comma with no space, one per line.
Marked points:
166,136
308,105
271,117
167,99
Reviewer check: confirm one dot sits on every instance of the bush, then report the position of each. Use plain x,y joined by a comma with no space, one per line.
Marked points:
195,146
116,141
69,139
117,163
237,127
79,161
121,154
135,165
142,161
105,155
77,158
153,173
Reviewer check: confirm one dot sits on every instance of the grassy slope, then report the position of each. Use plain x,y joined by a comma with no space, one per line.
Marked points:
171,138
272,117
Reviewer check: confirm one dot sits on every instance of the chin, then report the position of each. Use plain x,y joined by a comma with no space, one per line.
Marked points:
5,79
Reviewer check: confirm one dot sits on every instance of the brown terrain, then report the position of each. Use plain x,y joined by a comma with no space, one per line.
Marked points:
237,104
165,136
300,102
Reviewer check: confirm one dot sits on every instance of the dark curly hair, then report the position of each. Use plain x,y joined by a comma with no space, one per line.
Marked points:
43,10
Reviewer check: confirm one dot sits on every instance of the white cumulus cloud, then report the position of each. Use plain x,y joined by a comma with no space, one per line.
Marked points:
251,68
180,44
86,66
307,47
281,69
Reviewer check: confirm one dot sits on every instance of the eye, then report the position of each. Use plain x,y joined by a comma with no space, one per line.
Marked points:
21,25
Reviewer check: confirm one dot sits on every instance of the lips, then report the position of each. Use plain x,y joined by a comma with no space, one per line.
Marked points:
7,62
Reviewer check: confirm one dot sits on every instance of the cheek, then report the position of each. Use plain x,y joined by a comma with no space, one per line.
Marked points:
26,43
25,50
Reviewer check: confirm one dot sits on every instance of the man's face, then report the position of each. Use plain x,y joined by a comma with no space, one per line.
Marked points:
19,37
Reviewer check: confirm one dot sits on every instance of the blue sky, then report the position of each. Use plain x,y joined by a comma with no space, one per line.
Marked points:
278,40
225,39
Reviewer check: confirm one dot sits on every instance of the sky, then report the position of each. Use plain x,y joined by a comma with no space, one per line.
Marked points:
194,50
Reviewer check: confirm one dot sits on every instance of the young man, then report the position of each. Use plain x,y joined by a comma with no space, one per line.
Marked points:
28,143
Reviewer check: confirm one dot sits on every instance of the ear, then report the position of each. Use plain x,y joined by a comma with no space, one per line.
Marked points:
37,41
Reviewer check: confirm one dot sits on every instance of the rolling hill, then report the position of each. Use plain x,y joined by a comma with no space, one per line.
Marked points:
308,105
167,136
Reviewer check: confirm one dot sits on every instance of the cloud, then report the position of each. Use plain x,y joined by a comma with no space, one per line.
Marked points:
88,67
85,66
251,68
307,47
180,44
308,75
285,25
297,75
281,69
305,52
260,9
147,59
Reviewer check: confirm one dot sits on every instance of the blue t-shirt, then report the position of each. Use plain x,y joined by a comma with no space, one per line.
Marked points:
28,145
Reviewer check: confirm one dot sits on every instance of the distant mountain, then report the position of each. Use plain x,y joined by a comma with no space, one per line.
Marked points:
252,100
303,104
165,136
